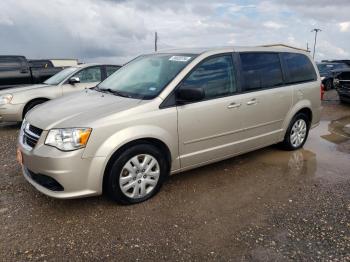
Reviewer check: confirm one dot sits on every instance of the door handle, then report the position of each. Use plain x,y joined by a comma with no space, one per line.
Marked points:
252,102
233,105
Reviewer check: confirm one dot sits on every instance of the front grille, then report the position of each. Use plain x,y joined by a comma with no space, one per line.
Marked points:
31,135
45,181
344,84
35,130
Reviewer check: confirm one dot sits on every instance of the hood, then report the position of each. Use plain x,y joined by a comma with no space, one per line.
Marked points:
15,89
78,110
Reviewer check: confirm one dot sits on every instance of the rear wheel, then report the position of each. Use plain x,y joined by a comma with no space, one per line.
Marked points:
136,174
297,132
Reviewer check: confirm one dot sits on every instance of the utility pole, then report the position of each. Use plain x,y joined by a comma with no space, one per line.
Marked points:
155,41
307,47
316,30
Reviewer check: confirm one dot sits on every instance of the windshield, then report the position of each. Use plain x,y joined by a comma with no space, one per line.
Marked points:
60,76
328,67
146,76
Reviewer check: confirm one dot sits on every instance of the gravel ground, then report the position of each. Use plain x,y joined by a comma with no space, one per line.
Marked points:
268,205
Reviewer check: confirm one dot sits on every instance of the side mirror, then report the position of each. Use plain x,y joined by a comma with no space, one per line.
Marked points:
187,93
74,80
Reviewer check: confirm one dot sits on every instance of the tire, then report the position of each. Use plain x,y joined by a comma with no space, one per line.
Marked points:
328,85
31,105
289,143
118,179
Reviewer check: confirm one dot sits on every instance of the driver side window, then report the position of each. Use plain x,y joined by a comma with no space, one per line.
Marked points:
215,76
89,75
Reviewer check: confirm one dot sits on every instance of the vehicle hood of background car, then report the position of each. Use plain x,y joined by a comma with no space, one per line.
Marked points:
14,90
79,109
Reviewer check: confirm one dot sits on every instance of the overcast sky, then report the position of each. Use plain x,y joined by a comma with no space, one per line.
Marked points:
117,30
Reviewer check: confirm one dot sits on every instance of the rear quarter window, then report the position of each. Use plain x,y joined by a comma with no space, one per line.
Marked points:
299,68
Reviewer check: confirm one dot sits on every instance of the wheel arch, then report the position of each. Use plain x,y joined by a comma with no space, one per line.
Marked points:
303,106
146,140
44,99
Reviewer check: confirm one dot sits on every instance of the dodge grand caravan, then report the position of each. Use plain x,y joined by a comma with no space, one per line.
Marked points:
164,113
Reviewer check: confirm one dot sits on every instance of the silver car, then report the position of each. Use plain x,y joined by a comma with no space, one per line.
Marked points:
165,113
16,102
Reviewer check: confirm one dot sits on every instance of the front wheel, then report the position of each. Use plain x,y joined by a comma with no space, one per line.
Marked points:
137,174
297,132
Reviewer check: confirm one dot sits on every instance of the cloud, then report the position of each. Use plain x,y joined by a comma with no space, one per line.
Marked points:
273,25
344,26
6,21
117,30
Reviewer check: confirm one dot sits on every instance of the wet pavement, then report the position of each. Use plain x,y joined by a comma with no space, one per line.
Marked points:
268,205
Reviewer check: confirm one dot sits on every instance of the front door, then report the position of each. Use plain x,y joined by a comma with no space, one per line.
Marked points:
208,129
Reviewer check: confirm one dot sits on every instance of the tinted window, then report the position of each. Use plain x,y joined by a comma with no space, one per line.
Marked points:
215,75
300,68
111,69
9,63
89,75
261,70
40,63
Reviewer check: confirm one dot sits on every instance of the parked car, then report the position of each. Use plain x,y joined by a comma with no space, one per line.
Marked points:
18,71
16,102
342,84
166,113
326,71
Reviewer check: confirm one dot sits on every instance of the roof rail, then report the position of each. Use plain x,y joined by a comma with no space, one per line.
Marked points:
287,46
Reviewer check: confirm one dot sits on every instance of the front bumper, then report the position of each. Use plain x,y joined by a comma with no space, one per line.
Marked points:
344,94
11,112
78,177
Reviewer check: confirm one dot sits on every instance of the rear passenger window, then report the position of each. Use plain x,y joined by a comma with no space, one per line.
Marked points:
215,76
261,70
300,68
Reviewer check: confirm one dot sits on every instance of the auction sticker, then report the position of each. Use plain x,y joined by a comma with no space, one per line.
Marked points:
180,58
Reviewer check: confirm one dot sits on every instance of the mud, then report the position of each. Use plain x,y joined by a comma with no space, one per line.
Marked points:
268,205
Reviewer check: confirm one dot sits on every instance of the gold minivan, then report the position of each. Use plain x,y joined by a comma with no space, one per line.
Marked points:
167,112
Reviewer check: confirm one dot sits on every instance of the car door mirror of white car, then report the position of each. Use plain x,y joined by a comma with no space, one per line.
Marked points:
188,93
74,80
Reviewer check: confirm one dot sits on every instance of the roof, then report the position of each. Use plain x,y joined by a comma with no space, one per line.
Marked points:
201,50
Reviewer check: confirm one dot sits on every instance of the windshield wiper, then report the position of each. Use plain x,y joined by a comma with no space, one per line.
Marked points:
114,92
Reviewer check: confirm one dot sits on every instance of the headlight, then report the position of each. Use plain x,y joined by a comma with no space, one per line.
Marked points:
5,99
336,82
68,139
322,78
